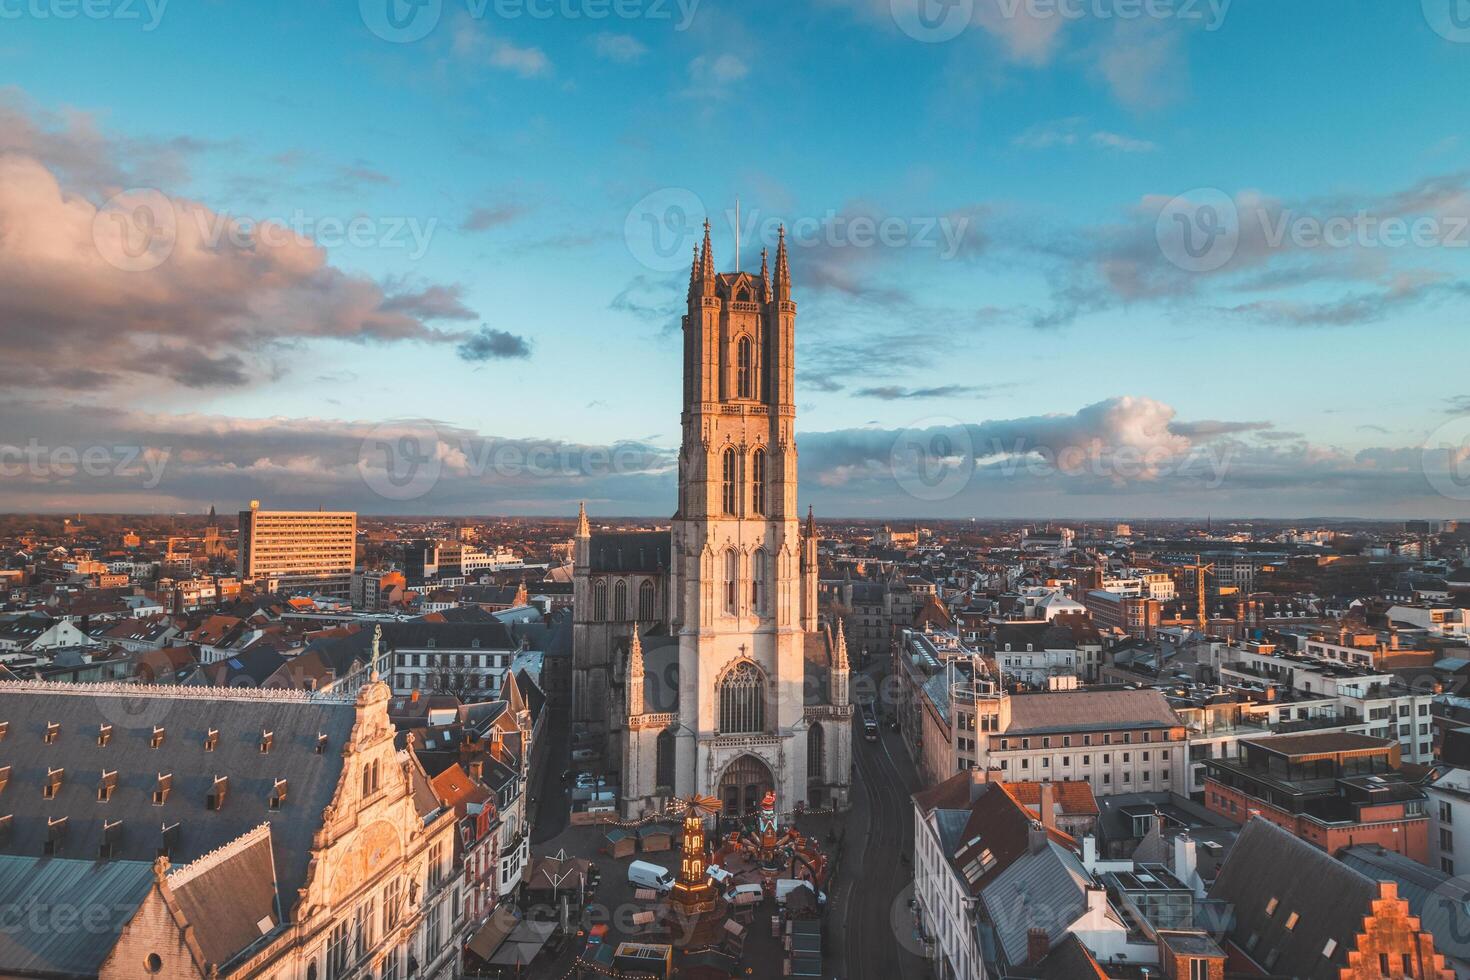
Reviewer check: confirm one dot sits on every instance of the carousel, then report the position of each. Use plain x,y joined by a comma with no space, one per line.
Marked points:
769,853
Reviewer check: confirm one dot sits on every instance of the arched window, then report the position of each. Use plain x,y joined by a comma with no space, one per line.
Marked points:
731,482
816,754
664,766
732,582
599,601
758,482
645,603
744,369
743,700
758,579
620,600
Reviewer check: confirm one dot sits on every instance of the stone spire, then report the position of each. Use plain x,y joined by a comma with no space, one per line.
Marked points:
707,256
583,530
694,272
840,653
782,284
765,274
811,521
635,673
838,678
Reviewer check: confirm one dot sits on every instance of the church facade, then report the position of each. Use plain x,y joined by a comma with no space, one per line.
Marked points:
698,652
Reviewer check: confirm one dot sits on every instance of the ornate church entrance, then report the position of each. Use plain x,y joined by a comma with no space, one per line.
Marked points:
744,784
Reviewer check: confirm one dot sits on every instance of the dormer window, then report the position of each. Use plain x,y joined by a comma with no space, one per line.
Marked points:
278,795
53,783
216,799
104,734
170,839
106,786
55,834
162,788
53,731
157,739
266,738
321,743
4,730
211,740
111,839
4,777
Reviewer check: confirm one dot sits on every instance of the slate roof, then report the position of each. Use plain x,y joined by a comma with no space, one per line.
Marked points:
1329,898
647,552
1090,711
491,634
1043,889
230,899
102,894
1441,902
185,713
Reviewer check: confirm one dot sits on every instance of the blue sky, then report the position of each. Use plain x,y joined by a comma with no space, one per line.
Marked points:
503,167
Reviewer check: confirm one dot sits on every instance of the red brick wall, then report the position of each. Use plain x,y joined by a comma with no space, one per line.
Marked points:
1389,930
1409,836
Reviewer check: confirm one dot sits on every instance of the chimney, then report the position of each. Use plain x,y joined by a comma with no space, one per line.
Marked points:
477,769
977,784
1089,852
1047,805
1186,863
1038,946
1036,838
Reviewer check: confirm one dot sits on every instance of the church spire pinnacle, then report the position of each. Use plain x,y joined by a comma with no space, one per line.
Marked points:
783,269
811,521
635,673
583,531
839,653
707,255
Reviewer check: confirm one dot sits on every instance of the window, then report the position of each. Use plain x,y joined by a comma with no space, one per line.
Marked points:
1199,970
758,582
758,482
1444,811
338,951
732,582
1291,921
645,602
1446,839
392,905
599,601
744,369
743,700
729,483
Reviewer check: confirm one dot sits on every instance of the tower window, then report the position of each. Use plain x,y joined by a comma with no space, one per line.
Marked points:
599,601
743,700
731,499
620,600
744,373
758,579
758,482
645,602
732,583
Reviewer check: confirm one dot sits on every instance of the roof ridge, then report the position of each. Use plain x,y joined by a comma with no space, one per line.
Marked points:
176,691
209,861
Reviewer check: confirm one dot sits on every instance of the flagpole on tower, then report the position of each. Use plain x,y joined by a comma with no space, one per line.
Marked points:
737,232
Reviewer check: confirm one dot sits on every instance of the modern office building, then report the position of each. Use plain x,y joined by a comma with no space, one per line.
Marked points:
299,551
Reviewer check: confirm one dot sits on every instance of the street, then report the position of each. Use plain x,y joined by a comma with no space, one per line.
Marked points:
877,872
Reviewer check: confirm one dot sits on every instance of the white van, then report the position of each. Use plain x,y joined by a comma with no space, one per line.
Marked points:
719,876
646,875
785,886
742,895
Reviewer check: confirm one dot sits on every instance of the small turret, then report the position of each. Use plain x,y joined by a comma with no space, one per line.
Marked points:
782,284
635,674
583,530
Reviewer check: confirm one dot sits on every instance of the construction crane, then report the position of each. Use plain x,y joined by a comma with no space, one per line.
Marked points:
1202,619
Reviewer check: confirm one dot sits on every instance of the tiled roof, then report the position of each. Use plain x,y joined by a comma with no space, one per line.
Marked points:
1074,796
631,551
1082,711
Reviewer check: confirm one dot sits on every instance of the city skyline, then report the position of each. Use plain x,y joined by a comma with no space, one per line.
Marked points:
1051,266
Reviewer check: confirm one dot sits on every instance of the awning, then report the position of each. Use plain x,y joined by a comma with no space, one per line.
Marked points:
524,944
494,932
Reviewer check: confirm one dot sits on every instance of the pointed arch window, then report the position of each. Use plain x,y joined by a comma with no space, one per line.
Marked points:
732,582
599,601
730,482
758,580
620,600
758,482
645,602
744,369
743,700
664,760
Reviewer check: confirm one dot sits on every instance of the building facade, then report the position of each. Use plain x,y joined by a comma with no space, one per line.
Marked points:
738,692
299,550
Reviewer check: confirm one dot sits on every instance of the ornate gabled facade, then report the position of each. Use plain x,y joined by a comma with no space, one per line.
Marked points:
289,836
732,689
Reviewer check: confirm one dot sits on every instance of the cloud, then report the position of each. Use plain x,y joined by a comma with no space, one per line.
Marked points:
711,76
493,345
889,393
485,218
1073,131
624,49
163,288
1143,64
1209,428
472,43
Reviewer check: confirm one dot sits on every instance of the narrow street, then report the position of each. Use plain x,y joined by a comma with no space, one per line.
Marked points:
877,879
